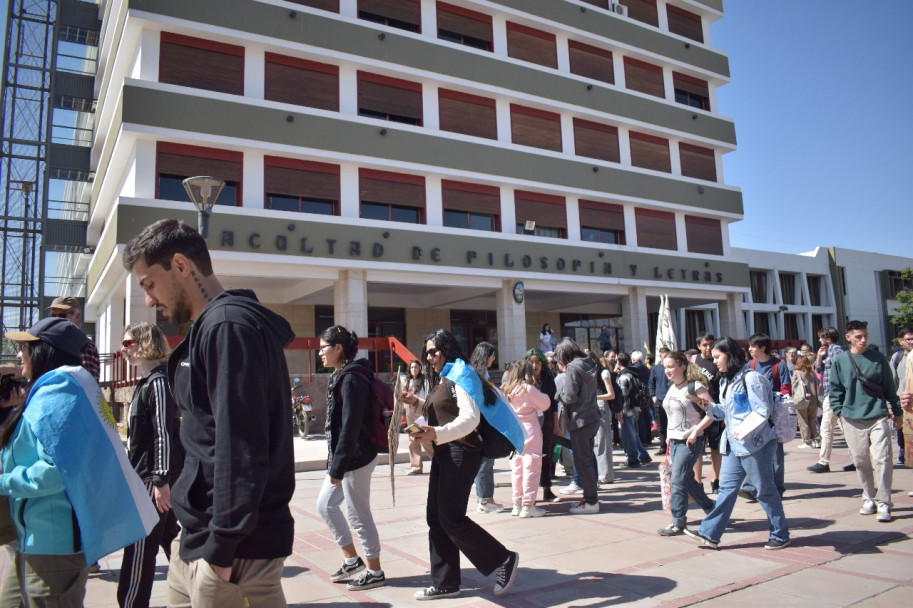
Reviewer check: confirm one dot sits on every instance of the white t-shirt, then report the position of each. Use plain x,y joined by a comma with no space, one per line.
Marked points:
682,412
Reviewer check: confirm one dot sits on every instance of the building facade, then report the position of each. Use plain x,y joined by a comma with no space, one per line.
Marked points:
396,166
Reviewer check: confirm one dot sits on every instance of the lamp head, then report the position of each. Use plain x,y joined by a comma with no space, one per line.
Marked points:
203,191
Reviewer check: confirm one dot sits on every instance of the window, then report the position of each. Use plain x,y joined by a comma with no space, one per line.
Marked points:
472,206
691,91
602,223
644,77
467,114
175,163
815,290
532,45
897,283
649,152
591,62
695,325
401,14
655,229
536,128
758,280
643,10
762,323
389,99
391,197
460,25
202,64
596,140
302,186
327,5
788,288
301,82
791,327
704,235
547,211
697,162
685,23
819,322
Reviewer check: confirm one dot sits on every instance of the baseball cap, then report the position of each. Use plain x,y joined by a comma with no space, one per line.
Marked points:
59,333
64,303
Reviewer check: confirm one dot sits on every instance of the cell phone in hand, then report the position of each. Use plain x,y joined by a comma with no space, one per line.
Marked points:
413,428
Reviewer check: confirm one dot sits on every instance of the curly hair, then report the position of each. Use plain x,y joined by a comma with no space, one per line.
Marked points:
150,341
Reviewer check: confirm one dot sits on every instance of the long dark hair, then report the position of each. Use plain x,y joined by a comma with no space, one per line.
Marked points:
479,357
43,358
736,358
448,346
568,350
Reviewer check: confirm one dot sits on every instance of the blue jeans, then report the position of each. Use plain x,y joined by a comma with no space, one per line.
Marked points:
757,466
485,479
779,474
682,459
634,449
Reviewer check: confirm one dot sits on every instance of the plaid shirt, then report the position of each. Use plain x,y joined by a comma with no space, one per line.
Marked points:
825,368
89,356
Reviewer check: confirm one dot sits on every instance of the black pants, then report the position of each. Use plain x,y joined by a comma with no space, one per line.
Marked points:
584,459
644,422
450,532
137,570
548,428
663,421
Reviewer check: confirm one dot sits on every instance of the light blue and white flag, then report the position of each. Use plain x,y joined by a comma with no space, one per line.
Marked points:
77,430
500,415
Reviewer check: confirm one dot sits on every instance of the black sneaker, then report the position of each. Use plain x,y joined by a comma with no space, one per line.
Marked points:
671,530
820,467
367,581
849,467
506,573
748,496
548,495
347,571
715,486
434,593
702,539
773,544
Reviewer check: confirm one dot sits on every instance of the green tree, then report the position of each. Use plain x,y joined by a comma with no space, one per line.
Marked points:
904,297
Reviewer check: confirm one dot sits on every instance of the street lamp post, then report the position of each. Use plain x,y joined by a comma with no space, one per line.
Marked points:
203,191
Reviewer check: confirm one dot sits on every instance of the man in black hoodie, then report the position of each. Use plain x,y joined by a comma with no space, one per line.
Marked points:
231,383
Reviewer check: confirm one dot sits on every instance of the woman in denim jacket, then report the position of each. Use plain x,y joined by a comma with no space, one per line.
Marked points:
742,391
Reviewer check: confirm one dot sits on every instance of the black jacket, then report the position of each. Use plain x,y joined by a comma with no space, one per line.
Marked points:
350,425
231,382
153,444
579,393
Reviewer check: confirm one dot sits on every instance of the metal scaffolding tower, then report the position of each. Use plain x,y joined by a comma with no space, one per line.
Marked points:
46,109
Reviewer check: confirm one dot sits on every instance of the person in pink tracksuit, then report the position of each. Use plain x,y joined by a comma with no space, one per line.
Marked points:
527,401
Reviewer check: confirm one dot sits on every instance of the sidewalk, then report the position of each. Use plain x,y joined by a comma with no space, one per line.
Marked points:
838,557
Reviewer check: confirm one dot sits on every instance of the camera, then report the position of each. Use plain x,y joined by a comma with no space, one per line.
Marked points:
9,382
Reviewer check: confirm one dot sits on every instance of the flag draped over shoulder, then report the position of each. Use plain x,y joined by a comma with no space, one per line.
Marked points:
500,415
77,430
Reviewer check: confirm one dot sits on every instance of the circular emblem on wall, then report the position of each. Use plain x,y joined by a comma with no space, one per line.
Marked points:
518,292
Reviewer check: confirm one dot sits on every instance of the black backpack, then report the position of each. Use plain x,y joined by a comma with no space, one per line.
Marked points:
618,403
639,397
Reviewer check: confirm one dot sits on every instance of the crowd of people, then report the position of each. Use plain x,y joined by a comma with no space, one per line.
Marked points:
210,476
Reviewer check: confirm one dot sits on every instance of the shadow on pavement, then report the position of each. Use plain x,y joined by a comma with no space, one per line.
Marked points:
855,541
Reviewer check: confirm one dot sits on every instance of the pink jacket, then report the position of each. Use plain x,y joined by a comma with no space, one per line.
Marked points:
527,401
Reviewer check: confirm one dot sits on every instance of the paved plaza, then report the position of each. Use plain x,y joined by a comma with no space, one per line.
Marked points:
838,557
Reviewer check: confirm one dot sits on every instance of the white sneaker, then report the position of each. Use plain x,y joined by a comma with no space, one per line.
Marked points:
489,506
583,508
884,513
868,507
571,489
804,446
518,508
531,511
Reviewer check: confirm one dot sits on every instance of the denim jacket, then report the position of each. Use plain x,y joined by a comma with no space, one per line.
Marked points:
745,392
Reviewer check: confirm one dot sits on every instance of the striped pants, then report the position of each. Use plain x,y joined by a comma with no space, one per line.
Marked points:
137,569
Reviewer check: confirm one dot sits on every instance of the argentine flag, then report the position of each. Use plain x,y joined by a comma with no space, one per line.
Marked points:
500,415
77,430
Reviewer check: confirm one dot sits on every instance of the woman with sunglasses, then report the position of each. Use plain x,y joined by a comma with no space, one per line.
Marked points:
453,416
154,449
352,458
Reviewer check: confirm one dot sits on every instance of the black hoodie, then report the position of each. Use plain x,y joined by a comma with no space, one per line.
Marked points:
231,383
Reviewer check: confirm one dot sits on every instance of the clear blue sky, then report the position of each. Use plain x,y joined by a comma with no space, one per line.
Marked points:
821,92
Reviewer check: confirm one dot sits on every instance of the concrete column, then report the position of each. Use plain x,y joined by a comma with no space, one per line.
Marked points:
348,8
675,157
630,226
508,211
429,18
668,85
573,218
135,309
634,315
350,301
254,180
349,199
434,201
143,171
499,35
618,65
431,107
567,134
147,64
662,16
681,234
254,72
502,116
511,324
624,146
732,322
109,341
348,90
564,53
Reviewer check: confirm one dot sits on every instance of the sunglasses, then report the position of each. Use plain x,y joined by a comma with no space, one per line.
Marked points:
432,352
128,343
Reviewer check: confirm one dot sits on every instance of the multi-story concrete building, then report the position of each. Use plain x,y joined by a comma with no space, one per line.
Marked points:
396,166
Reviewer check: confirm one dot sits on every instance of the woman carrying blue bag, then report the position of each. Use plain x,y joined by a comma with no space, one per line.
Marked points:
748,450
